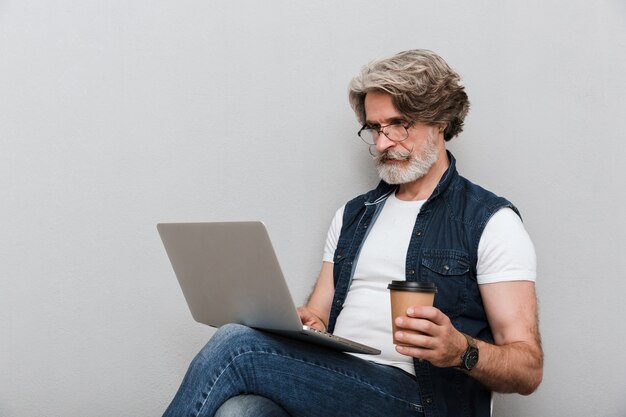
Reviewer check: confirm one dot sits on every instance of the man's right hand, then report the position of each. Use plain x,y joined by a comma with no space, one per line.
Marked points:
309,318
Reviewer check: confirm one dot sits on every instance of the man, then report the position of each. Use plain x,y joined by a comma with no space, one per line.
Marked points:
423,222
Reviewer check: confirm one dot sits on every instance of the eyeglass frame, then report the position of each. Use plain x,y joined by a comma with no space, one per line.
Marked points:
381,129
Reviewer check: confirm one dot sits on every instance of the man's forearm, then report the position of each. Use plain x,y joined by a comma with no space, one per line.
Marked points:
516,367
322,295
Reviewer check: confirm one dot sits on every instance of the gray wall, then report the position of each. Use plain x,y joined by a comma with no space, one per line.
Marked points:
116,115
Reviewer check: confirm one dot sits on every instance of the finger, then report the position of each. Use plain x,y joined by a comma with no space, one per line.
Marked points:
427,313
304,313
309,319
315,324
414,352
419,325
430,355
415,339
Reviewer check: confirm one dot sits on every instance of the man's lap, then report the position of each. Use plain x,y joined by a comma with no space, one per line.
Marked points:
302,379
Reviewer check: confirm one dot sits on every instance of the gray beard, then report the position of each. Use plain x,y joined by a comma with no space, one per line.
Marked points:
416,168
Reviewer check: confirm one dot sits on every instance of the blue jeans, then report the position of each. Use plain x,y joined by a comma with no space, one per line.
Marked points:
303,379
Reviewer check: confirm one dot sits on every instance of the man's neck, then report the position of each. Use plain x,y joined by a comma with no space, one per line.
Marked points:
423,187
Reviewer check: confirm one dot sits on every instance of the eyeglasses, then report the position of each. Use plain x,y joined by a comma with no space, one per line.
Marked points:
396,132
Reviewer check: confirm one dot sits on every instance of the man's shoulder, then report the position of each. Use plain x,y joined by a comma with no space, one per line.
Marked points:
477,196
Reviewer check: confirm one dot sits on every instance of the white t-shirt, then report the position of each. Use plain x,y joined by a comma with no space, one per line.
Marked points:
505,253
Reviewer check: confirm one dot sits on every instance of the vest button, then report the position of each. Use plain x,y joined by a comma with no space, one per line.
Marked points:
411,271
429,400
446,267
418,233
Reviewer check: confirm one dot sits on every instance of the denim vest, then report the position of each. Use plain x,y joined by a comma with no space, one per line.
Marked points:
443,249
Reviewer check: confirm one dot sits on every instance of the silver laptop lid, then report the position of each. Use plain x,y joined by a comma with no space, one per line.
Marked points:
229,273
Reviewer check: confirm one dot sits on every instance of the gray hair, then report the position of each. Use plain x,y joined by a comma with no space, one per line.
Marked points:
422,85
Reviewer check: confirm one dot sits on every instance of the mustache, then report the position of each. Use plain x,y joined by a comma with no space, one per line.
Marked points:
391,155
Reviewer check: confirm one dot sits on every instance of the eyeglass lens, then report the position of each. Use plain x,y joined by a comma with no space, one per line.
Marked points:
395,132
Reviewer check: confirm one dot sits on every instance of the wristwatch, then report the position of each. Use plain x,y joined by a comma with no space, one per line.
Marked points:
469,358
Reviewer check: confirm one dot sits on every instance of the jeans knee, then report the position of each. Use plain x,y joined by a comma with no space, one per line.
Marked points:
232,330
228,341
233,335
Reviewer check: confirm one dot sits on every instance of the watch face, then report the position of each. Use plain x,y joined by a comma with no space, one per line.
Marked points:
471,359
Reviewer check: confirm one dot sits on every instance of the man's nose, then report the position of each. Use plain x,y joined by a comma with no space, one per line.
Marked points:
383,143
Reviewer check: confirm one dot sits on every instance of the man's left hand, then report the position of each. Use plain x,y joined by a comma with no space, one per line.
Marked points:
437,342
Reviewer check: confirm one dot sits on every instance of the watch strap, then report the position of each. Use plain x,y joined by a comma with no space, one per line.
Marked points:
471,351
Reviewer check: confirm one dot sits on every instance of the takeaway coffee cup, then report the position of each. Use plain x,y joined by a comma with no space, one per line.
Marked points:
405,294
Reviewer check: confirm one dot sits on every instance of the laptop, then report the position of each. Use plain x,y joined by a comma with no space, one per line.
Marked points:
229,273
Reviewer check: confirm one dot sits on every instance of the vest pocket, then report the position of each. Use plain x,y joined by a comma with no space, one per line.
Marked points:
341,251
449,270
